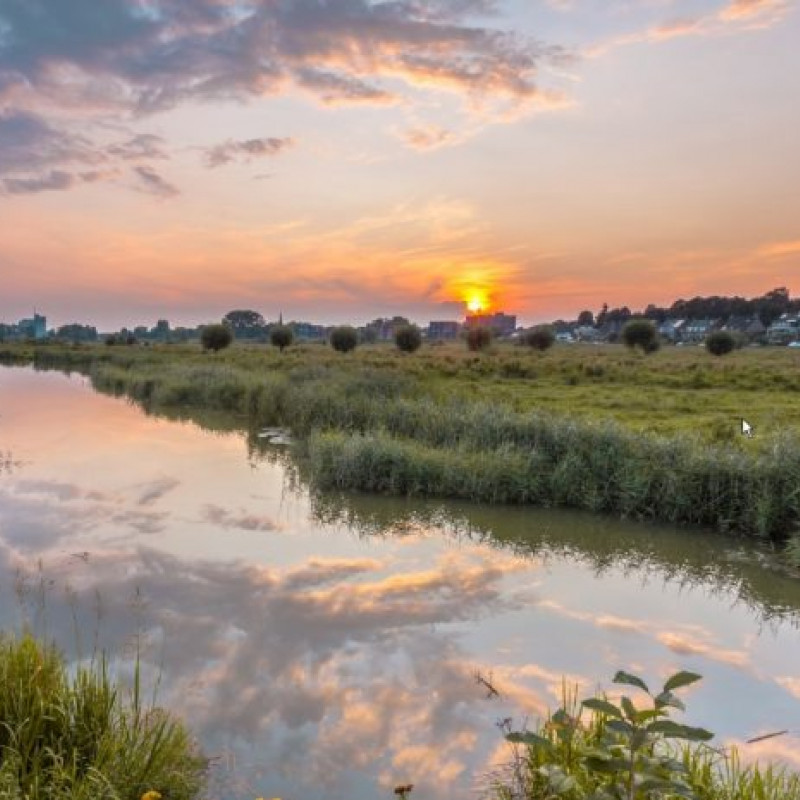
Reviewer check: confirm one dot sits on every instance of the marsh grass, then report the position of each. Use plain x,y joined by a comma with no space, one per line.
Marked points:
449,423
76,736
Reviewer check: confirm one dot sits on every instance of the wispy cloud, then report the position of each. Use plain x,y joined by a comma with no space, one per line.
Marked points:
151,182
246,150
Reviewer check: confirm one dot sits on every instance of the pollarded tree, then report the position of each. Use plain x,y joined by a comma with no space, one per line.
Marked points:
720,343
478,338
408,338
641,333
281,336
216,337
541,338
344,338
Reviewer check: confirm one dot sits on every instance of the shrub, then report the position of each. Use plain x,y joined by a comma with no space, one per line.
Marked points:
640,333
281,336
75,736
720,343
478,339
541,338
216,337
408,338
344,339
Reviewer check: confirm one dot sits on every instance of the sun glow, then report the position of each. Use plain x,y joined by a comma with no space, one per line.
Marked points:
476,301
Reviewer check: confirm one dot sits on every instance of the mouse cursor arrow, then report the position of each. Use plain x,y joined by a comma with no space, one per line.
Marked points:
747,429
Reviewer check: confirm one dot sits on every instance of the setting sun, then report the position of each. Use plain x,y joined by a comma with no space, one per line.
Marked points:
476,301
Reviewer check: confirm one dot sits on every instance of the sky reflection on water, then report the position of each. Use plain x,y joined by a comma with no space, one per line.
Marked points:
332,643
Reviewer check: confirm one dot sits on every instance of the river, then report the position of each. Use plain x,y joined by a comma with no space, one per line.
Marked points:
331,645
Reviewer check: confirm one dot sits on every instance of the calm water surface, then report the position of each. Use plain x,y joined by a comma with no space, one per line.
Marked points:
329,646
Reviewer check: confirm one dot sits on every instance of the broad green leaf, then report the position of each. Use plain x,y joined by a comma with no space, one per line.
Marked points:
607,766
530,739
620,726
672,730
698,734
630,680
629,708
603,707
668,699
680,679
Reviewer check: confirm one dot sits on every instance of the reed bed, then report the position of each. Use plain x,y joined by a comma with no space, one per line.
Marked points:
76,737
374,425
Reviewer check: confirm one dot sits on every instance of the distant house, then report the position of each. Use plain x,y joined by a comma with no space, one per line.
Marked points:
671,328
785,329
750,327
696,330
500,324
443,330
587,333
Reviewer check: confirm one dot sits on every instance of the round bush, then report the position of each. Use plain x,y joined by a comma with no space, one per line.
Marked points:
478,339
344,338
408,338
640,333
720,343
216,337
281,336
541,338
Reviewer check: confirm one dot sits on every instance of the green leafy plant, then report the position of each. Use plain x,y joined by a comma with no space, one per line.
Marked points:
281,336
216,337
541,338
640,333
344,338
623,752
720,343
408,338
478,338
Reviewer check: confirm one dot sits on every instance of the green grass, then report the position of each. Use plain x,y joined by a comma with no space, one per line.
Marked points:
594,427
76,737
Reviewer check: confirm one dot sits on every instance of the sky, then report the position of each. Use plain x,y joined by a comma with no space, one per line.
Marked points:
341,160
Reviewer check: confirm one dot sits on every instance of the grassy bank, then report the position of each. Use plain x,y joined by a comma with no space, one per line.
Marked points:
451,424
76,737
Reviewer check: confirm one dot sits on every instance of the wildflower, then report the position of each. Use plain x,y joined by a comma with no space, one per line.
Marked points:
151,795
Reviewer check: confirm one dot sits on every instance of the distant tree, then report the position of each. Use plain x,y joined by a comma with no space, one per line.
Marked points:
541,338
111,340
601,316
585,318
245,324
478,338
344,338
408,338
720,343
640,333
281,336
216,337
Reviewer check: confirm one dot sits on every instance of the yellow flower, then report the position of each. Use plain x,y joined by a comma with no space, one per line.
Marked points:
151,795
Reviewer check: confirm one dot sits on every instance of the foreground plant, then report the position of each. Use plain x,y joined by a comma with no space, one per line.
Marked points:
65,737
629,752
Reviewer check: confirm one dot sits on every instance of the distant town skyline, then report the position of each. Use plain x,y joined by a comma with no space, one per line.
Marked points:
345,160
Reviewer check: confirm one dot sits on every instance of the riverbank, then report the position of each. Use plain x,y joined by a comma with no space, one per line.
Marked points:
450,424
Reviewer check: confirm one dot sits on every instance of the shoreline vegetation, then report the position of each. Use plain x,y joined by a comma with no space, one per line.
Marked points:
449,424
75,735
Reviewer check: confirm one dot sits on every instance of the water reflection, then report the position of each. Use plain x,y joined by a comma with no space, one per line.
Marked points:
329,645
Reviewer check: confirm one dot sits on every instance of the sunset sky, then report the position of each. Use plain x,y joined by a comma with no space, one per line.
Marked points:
344,159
